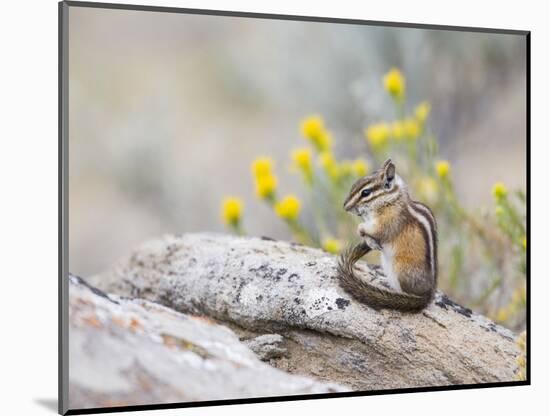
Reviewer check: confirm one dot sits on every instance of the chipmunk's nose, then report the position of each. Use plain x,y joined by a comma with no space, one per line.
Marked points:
348,206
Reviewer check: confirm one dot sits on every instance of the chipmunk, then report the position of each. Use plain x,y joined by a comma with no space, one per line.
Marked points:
403,230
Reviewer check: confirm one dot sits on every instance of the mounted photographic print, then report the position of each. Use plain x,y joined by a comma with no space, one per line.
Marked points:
265,208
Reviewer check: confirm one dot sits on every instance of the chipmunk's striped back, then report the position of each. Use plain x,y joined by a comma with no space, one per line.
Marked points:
426,219
404,230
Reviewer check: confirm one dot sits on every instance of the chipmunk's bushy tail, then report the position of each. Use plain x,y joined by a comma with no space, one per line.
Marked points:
371,295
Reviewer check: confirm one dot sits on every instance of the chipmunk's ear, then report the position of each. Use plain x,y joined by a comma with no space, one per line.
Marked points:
389,171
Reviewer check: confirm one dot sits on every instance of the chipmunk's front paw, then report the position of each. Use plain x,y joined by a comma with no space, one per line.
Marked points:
371,242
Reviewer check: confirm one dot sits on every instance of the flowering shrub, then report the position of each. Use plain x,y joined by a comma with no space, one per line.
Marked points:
482,256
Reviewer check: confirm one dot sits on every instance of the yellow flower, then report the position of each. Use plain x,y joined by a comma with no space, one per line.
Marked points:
360,167
346,168
357,167
323,142
326,160
427,188
265,181
313,129
332,245
312,126
302,159
232,209
499,190
262,167
422,111
524,243
398,130
378,135
519,296
502,315
443,168
266,186
394,82
412,128
288,208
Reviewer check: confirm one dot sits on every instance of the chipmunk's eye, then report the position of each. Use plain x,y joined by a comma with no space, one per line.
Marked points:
365,193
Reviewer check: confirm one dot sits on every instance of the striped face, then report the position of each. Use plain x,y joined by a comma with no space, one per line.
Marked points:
371,192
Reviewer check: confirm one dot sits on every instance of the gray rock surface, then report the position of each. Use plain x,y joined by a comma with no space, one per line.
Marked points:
258,286
268,346
132,352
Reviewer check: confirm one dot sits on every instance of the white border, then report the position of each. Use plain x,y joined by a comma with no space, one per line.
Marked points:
29,208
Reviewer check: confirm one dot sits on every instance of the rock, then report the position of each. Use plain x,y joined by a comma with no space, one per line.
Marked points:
131,351
257,286
267,346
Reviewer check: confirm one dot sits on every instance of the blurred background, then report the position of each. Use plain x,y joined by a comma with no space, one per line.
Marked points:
167,112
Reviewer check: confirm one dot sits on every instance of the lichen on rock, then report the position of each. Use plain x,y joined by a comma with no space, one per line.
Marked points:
132,351
259,286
